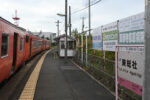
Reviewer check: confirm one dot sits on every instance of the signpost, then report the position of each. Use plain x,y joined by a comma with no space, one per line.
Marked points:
131,70
128,65
146,90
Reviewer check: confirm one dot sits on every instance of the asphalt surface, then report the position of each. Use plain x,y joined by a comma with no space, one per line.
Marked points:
62,80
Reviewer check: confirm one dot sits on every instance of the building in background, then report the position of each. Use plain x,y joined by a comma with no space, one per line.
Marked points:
46,35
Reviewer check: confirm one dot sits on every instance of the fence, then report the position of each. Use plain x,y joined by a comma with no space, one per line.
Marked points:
104,71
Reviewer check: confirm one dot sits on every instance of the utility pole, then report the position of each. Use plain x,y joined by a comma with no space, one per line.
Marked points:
66,26
146,89
70,25
89,17
82,39
58,22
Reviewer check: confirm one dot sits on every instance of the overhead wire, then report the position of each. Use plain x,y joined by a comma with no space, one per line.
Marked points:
92,4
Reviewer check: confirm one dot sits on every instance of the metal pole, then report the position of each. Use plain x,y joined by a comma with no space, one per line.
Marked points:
86,49
66,6
58,27
89,17
116,65
116,73
70,25
146,89
82,39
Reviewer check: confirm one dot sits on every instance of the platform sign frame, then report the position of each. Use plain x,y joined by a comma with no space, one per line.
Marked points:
97,39
116,71
131,30
110,36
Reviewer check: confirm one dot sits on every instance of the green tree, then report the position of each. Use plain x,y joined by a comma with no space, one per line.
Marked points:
43,37
74,33
47,38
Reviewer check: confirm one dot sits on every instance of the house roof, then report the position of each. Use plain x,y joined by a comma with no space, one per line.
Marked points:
45,34
61,36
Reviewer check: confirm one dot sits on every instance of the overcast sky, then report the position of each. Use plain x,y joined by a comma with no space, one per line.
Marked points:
39,15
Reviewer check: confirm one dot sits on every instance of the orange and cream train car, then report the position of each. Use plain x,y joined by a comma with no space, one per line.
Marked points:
16,47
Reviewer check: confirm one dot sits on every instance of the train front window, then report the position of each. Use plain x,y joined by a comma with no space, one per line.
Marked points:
21,44
70,44
4,45
62,45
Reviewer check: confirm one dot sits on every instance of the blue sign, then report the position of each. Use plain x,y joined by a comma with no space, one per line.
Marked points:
97,39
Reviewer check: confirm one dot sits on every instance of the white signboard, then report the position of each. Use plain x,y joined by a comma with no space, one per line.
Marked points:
131,30
97,39
110,36
131,70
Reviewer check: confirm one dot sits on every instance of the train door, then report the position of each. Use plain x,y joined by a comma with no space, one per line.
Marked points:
42,45
45,45
14,52
30,46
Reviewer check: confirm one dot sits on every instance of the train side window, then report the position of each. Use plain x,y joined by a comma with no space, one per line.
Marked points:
34,44
21,44
4,45
27,39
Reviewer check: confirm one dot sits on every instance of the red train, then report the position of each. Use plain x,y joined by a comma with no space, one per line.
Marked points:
16,47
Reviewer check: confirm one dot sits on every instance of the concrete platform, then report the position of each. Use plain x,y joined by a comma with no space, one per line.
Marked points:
62,80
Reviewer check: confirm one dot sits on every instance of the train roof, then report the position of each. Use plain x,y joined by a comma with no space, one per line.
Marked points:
18,27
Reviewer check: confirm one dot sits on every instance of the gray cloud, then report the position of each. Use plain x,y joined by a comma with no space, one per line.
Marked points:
41,14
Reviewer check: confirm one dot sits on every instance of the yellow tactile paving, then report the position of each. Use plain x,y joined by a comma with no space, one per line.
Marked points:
29,89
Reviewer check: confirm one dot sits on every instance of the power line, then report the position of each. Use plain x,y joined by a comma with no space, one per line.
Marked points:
86,7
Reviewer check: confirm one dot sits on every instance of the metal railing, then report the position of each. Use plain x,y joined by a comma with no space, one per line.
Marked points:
106,66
